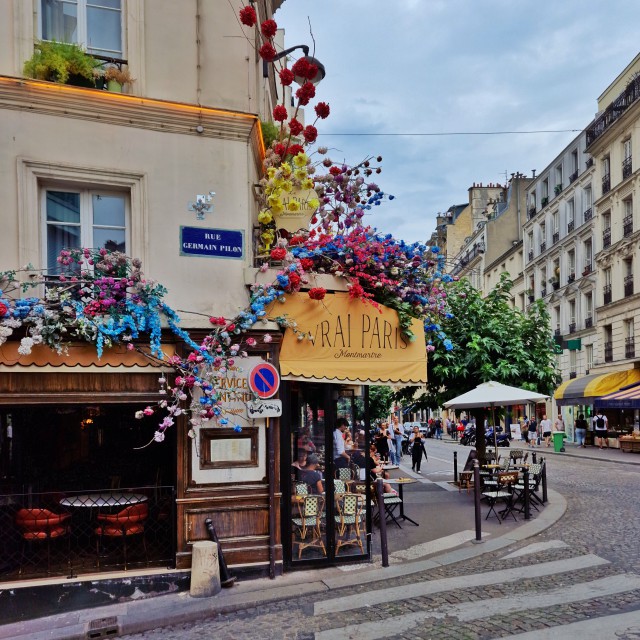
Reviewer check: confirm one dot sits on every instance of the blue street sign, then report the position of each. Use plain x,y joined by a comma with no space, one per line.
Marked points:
211,243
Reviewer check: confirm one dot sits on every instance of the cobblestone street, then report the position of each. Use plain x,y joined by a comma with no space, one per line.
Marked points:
583,568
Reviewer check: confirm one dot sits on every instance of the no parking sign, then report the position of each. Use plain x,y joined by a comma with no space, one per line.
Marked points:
264,380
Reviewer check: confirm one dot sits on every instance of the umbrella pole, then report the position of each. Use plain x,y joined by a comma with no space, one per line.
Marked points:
495,436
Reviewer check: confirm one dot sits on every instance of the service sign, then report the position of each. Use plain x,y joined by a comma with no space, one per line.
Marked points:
211,243
295,220
264,409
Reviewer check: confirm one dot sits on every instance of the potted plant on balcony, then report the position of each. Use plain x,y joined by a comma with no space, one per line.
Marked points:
554,281
530,295
557,189
545,201
63,63
115,77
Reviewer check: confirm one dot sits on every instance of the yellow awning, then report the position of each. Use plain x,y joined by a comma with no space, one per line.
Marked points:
353,341
585,389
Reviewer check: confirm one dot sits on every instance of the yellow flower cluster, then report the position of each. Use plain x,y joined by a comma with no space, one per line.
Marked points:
279,182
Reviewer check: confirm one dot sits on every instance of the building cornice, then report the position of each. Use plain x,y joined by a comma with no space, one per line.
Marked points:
65,101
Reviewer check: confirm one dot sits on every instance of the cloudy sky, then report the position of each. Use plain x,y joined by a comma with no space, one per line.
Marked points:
409,67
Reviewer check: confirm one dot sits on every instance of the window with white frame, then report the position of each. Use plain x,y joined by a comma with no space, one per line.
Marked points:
606,166
626,145
588,304
606,220
559,175
627,208
556,317
571,211
588,198
572,311
572,361
588,255
629,329
555,222
530,241
571,261
574,161
94,24
82,218
543,232
607,276
545,188
588,349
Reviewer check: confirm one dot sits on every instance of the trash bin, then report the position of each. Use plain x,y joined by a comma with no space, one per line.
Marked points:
558,441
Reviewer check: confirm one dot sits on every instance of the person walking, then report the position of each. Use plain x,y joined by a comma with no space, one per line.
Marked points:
581,430
438,425
533,432
398,437
417,450
600,424
545,428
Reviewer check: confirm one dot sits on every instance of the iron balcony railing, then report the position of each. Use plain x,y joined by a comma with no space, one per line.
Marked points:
626,168
572,327
555,237
543,292
606,183
530,255
588,322
630,347
587,215
557,332
543,247
606,238
606,293
573,177
608,351
570,226
531,212
627,225
70,533
589,163
573,375
628,285
587,268
613,111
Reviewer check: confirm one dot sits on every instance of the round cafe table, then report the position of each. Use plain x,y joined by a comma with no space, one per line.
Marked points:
401,482
106,499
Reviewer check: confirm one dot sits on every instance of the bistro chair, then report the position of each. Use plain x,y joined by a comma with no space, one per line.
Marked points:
339,487
306,529
350,515
121,526
42,525
535,477
392,501
344,474
501,492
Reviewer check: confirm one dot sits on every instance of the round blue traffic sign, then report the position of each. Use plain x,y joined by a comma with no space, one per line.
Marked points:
264,380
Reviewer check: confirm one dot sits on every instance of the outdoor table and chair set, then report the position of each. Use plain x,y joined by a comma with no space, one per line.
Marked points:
503,483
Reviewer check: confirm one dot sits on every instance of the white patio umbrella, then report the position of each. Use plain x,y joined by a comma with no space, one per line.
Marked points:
494,394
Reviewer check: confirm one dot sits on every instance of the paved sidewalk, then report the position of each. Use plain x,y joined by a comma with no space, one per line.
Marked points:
437,542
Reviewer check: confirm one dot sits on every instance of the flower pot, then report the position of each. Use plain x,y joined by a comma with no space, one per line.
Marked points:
114,86
555,285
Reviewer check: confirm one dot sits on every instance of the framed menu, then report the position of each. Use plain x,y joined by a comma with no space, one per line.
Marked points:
222,448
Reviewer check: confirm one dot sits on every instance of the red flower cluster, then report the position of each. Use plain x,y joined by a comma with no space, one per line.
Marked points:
267,52
304,69
219,321
306,264
317,293
310,134
335,171
356,291
3,309
295,149
286,77
278,253
269,28
295,240
305,93
294,281
295,127
280,113
248,16
322,110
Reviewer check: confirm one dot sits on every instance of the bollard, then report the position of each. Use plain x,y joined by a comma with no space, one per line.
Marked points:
383,522
205,570
476,495
527,505
226,580
455,467
544,483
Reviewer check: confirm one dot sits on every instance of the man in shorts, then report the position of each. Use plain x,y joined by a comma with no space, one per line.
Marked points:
545,427
600,425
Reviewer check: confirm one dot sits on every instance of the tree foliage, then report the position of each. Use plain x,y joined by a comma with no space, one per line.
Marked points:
491,341
380,401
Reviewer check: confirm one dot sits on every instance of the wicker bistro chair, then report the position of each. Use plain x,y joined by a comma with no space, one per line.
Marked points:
306,530
121,526
535,477
344,473
339,488
348,519
392,501
42,525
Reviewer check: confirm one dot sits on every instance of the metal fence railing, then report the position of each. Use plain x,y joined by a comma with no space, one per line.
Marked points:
74,532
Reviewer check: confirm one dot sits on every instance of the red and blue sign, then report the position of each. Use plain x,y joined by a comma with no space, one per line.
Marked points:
264,380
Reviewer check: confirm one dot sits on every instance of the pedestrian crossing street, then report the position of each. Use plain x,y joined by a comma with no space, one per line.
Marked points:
375,621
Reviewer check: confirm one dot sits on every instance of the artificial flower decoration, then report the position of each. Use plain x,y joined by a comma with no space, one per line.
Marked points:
317,293
248,16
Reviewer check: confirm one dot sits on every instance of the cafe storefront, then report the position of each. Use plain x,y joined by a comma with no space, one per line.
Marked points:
337,348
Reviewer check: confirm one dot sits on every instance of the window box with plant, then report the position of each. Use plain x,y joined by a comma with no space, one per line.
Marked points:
557,189
554,282
545,201
63,63
115,77
530,295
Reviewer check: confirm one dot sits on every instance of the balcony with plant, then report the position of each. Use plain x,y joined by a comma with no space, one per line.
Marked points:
62,63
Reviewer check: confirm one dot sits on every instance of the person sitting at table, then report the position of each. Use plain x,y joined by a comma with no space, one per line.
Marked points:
376,471
300,463
311,476
305,442
348,441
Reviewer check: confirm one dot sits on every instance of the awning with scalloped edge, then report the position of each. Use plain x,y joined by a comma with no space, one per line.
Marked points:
586,389
353,342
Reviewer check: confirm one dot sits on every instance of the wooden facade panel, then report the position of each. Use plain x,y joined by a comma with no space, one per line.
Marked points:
37,384
228,523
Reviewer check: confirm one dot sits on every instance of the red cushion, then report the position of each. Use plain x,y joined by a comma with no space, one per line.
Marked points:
53,532
124,530
39,518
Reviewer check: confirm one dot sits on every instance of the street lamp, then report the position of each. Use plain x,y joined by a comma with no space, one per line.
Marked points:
319,75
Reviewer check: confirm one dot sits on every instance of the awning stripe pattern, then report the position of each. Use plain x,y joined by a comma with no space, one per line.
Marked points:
625,398
586,389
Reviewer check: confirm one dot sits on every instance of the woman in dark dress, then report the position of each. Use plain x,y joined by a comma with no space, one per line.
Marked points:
382,443
417,450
